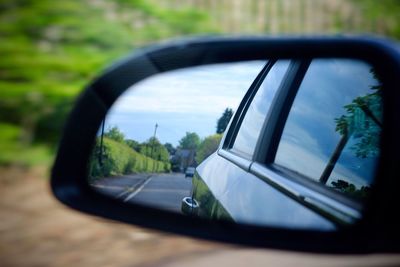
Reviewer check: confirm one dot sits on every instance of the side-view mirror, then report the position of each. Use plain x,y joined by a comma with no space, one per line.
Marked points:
287,143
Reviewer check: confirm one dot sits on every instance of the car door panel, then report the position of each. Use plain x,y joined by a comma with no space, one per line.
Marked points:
248,199
207,206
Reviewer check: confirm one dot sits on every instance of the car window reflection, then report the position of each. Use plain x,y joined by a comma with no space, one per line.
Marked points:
249,131
333,129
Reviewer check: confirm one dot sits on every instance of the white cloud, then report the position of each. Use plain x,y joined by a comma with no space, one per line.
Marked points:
200,90
300,160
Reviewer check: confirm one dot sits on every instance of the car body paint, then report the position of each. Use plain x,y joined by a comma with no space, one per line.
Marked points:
221,185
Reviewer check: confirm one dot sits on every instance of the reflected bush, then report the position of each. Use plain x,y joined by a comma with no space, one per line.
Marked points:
114,158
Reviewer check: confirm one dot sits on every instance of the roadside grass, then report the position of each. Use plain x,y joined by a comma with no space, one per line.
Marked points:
119,159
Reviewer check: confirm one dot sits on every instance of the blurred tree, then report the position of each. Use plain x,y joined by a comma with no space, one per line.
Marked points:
381,17
362,121
115,134
171,149
51,49
154,149
223,122
189,141
208,146
135,145
350,189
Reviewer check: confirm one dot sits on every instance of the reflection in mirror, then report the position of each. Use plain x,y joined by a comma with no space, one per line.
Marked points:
161,128
156,145
339,147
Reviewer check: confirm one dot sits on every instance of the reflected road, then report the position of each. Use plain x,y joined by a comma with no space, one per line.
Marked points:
163,191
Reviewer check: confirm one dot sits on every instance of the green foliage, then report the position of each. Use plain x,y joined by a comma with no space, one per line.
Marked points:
15,152
135,145
223,121
208,146
118,159
51,49
383,15
115,134
189,141
175,21
363,120
171,149
350,189
155,150
211,207
42,69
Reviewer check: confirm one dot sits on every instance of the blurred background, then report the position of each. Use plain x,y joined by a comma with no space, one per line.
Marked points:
49,50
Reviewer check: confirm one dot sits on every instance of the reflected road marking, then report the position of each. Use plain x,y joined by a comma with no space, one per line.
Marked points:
138,190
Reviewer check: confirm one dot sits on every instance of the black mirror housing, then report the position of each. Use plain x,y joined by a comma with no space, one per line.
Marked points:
377,231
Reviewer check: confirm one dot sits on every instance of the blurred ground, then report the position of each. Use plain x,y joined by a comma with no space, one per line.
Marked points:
36,230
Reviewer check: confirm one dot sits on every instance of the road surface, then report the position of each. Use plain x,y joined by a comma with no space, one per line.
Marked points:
163,191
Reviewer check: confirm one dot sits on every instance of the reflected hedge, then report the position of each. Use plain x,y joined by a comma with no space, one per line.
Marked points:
119,159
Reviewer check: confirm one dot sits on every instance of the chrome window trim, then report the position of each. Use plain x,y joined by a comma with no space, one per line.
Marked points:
235,159
281,105
339,212
236,121
331,208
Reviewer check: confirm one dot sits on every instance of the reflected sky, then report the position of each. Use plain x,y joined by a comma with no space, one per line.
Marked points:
253,121
309,136
187,100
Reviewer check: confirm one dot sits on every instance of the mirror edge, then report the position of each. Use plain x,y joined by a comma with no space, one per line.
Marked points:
69,183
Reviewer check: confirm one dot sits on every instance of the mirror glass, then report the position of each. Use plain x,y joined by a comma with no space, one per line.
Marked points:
157,145
160,129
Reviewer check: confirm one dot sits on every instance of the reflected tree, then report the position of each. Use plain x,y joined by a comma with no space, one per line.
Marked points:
115,134
208,146
350,189
362,121
135,145
152,148
189,141
223,121
171,149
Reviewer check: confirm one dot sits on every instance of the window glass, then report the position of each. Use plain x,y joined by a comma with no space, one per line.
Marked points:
250,128
333,128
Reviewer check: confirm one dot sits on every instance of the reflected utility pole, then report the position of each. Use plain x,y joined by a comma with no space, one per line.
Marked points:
101,143
152,145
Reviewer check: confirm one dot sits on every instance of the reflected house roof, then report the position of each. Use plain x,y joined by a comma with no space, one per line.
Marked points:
186,157
183,152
